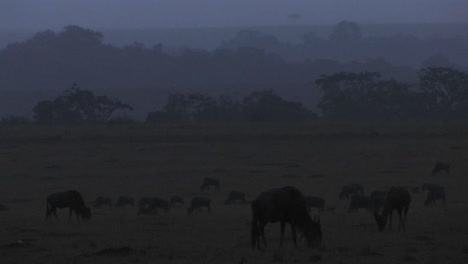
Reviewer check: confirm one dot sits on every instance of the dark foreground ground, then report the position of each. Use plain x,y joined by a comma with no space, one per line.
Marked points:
162,161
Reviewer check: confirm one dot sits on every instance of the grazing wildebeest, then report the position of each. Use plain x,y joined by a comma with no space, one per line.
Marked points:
441,166
433,195
284,205
207,182
399,199
176,200
432,187
349,190
314,202
151,205
125,200
377,200
359,202
102,201
69,199
199,202
235,196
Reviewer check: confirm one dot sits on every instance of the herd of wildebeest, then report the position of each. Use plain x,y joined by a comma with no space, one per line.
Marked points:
284,205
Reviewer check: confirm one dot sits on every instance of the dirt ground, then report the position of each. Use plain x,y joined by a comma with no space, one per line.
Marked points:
162,161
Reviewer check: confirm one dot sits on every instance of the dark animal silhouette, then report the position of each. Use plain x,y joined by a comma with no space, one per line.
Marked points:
69,199
235,196
198,203
441,166
399,199
102,201
176,200
359,202
151,205
124,201
314,202
433,195
209,182
349,190
377,200
432,187
284,205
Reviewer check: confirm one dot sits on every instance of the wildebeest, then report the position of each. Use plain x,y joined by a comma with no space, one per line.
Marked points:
441,166
197,204
207,182
69,199
235,196
314,202
433,195
377,200
359,202
176,200
284,205
125,200
151,205
349,190
102,201
399,199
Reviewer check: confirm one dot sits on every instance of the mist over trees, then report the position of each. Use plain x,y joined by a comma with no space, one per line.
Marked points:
253,71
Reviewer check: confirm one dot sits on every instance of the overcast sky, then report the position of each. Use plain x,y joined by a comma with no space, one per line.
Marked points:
54,14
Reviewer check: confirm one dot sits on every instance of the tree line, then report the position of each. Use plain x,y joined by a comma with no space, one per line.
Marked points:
440,94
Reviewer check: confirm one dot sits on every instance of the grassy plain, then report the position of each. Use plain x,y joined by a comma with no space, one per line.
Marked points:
318,158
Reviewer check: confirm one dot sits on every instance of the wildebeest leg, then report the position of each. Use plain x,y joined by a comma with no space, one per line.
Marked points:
54,210
262,233
390,221
47,211
294,235
283,225
70,214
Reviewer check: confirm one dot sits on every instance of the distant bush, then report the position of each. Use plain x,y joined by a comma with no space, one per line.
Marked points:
123,120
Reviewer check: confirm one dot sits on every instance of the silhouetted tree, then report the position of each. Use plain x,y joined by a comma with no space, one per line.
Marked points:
77,106
445,90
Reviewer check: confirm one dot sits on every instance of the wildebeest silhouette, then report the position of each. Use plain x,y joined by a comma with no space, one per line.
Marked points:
441,166
176,200
433,195
314,202
284,205
349,190
125,200
70,199
377,200
102,201
151,205
399,199
197,203
359,202
235,196
208,182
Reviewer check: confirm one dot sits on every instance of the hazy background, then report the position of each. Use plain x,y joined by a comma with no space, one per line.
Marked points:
396,38
39,14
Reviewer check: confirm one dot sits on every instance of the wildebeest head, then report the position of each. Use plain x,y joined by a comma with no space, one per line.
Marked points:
313,232
189,210
381,221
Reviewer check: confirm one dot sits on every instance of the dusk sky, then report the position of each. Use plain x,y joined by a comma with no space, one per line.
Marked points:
39,14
